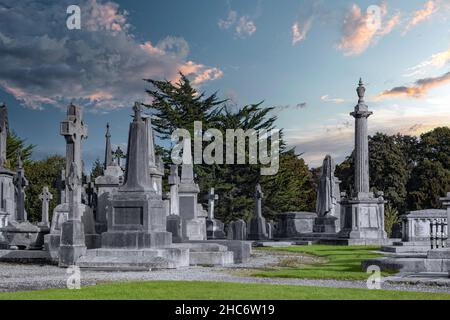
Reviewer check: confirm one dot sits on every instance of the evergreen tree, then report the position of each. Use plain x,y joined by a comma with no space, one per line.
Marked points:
388,169
14,143
97,169
42,173
179,105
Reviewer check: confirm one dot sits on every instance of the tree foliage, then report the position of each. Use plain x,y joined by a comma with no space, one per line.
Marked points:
413,172
179,105
40,173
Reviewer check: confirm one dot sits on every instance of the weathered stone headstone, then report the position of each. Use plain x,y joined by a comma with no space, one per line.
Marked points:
45,198
257,228
136,217
214,227
363,212
328,199
237,230
73,244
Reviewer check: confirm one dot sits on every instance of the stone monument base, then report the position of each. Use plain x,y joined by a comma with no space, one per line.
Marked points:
214,229
326,225
135,239
435,261
194,229
257,229
135,259
364,220
174,225
294,224
72,243
22,235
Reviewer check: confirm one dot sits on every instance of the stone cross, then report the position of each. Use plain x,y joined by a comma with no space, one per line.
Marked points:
73,182
60,185
174,180
137,109
108,150
20,183
361,155
258,199
74,131
45,197
3,133
90,192
211,199
119,155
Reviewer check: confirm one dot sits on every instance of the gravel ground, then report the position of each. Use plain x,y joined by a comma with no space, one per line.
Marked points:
20,277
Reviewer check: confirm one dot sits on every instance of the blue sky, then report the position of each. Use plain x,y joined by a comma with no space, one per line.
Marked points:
304,57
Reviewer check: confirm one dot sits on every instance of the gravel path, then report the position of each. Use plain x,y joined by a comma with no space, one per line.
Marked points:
15,277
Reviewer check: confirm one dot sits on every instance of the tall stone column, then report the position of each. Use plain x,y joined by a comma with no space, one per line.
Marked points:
45,197
361,156
362,212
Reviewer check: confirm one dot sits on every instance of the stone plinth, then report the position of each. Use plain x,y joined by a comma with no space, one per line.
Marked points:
135,220
416,225
22,235
214,229
295,224
237,230
326,225
363,219
106,185
175,227
61,215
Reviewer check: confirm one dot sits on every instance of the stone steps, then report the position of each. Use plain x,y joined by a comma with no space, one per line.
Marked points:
202,253
405,249
211,258
134,259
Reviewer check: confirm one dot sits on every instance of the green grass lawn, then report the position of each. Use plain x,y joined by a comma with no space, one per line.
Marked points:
174,290
338,262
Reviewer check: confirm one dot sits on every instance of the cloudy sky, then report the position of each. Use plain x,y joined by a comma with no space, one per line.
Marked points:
304,57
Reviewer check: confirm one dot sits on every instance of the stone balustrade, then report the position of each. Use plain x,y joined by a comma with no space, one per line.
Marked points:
426,226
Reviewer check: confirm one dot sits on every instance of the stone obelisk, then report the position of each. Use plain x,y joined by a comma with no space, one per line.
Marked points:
108,151
361,156
363,213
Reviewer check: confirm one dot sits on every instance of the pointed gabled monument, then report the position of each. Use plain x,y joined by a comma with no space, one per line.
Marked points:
194,227
106,184
363,211
136,218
